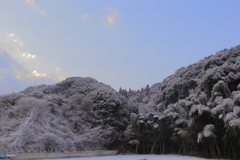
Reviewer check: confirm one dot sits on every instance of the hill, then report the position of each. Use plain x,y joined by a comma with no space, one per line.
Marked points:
195,111
73,115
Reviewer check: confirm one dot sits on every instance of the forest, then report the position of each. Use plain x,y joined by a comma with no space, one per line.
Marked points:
195,111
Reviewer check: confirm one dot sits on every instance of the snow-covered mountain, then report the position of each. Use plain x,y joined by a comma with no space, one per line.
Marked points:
195,111
73,115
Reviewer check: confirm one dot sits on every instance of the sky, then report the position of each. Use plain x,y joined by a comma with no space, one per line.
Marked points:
127,43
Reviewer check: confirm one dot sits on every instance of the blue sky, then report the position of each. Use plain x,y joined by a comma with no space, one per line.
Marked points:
127,43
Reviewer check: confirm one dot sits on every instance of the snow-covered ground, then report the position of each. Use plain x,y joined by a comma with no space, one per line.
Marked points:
138,157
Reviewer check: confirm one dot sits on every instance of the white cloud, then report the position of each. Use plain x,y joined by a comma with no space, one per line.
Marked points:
111,18
16,38
35,6
16,50
10,35
21,43
85,15
12,69
26,66
35,74
27,55
10,45
15,78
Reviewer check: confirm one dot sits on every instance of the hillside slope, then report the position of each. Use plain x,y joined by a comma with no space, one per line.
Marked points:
74,115
194,111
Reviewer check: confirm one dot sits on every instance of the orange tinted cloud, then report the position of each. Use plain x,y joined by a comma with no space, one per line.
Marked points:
85,15
111,18
19,77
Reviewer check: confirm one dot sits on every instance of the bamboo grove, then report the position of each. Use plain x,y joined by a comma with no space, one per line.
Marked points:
195,111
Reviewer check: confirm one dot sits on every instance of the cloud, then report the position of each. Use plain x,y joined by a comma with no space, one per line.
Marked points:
10,35
59,79
85,15
111,18
14,47
35,6
19,77
20,68
8,39
27,55
14,76
19,42
35,74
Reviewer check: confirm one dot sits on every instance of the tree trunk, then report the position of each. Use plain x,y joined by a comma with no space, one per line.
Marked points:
136,151
153,147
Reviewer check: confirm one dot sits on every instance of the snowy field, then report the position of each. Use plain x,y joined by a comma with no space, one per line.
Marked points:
138,157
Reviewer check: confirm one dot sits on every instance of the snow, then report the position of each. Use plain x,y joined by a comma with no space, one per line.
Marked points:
208,130
199,110
155,125
235,123
138,157
216,110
